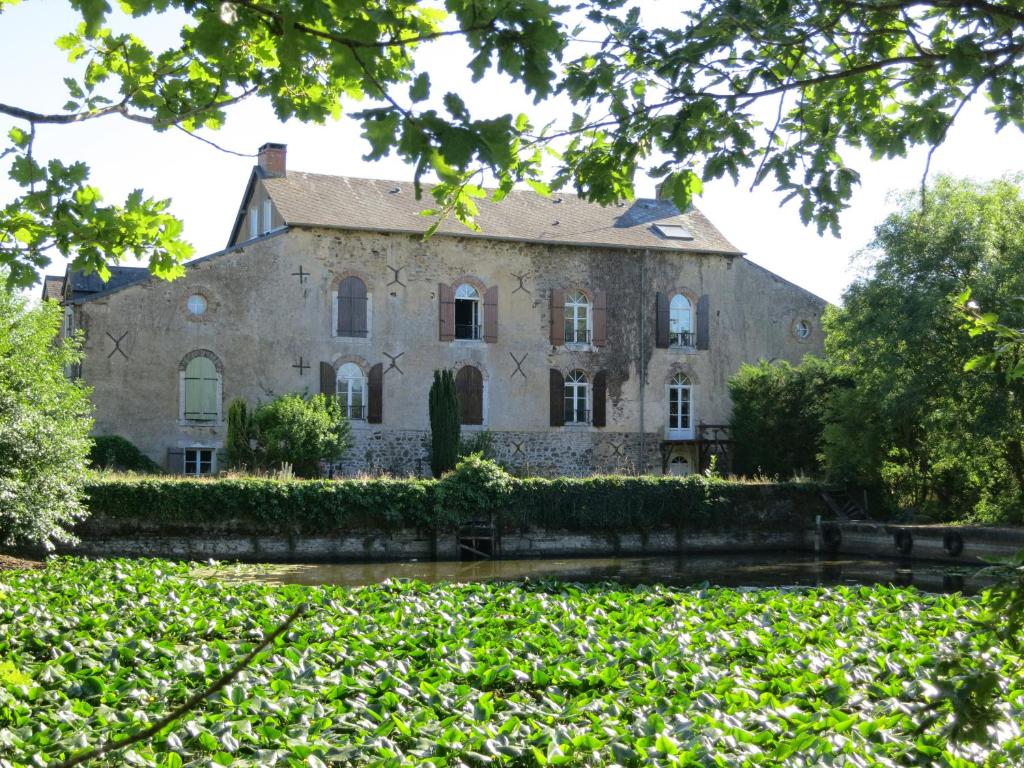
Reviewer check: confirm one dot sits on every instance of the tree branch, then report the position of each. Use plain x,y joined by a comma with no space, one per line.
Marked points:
198,698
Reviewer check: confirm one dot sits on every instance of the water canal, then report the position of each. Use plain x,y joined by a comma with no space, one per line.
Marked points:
776,569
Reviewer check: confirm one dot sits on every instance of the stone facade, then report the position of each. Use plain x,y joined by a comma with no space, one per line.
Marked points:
269,320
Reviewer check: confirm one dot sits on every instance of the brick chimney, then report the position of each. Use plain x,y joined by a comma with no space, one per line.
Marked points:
272,159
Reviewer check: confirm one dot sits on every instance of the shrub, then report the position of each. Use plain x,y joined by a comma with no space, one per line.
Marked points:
116,452
444,423
613,503
44,425
302,432
778,417
475,487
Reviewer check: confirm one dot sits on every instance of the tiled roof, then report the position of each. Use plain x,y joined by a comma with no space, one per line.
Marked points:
342,202
91,286
53,285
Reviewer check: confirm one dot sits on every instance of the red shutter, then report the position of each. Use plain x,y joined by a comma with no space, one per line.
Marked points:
598,396
557,398
469,386
446,310
557,317
703,322
328,380
375,396
661,321
600,309
491,314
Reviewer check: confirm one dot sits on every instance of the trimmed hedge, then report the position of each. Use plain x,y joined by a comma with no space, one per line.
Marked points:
611,503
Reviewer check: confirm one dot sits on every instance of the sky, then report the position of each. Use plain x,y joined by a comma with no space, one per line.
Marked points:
206,185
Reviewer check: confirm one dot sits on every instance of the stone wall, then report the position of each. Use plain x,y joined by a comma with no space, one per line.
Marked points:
573,451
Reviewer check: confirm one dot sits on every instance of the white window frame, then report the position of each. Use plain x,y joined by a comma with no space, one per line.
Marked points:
477,301
268,215
675,332
676,387
578,307
198,461
220,399
345,396
581,391
254,222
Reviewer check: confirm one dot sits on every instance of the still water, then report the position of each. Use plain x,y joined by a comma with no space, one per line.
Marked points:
743,570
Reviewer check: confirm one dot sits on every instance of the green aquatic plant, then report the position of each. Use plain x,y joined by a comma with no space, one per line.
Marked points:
544,673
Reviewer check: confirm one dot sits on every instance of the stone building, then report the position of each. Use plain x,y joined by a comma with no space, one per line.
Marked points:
584,338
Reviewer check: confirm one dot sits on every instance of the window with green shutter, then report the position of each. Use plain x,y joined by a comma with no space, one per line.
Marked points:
202,390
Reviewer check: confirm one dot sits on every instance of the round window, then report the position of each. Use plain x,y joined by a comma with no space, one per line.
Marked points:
802,329
196,304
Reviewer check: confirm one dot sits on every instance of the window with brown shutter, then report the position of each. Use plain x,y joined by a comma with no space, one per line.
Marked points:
661,311
469,387
600,311
328,380
352,308
491,315
375,396
557,398
703,322
598,396
557,317
446,312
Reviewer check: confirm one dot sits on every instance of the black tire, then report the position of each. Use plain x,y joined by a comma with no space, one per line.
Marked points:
953,543
903,541
831,537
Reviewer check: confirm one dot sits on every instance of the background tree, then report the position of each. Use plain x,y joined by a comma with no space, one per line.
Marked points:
44,426
444,423
909,421
301,431
781,88
778,417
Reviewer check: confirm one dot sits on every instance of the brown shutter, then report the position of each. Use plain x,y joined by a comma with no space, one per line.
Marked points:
375,396
557,317
600,336
598,396
446,311
661,324
557,398
703,322
352,307
491,314
469,386
328,379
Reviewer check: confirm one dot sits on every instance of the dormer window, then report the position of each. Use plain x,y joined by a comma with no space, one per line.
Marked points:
254,222
673,231
268,211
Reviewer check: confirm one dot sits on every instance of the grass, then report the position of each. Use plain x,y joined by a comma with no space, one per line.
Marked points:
483,674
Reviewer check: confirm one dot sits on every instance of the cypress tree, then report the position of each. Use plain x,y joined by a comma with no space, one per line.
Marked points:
444,423
236,446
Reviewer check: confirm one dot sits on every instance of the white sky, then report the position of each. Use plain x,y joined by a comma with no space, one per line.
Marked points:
206,185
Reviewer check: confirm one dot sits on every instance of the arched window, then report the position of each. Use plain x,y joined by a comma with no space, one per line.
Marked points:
680,322
352,308
351,392
680,408
679,466
577,398
577,318
201,390
467,312
469,387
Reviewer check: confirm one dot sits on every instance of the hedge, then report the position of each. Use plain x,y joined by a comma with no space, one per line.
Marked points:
606,503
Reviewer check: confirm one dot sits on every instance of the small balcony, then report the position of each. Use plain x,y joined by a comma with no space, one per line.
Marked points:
353,412
468,331
576,415
682,339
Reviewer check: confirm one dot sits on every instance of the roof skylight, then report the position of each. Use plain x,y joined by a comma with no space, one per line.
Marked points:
673,231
